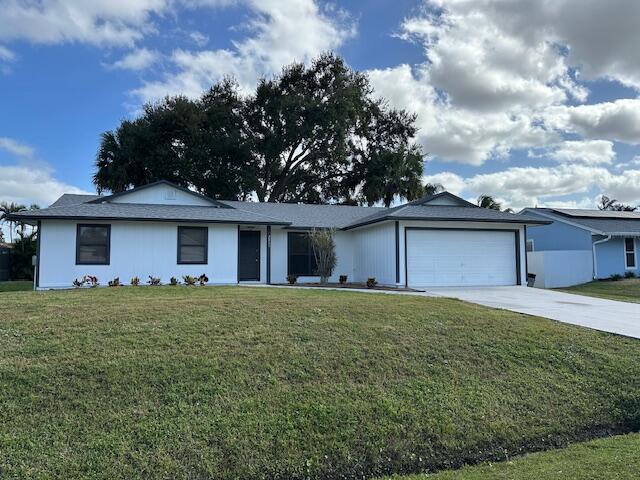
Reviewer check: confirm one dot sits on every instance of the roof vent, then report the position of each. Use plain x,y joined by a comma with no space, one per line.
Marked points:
170,194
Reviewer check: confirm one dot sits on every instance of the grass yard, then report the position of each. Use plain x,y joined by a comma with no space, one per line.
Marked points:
627,290
607,458
16,286
232,382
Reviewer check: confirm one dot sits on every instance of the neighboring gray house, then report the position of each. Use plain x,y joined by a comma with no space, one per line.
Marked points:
164,230
582,245
5,262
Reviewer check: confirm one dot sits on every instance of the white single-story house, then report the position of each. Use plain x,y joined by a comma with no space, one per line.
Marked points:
581,245
165,231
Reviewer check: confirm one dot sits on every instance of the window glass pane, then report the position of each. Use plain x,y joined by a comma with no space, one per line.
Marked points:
92,254
193,236
299,243
299,264
93,235
192,254
631,260
628,244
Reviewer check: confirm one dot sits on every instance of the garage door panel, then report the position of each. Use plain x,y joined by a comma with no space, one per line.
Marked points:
459,258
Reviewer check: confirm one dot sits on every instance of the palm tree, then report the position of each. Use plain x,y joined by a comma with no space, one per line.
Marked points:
7,209
487,201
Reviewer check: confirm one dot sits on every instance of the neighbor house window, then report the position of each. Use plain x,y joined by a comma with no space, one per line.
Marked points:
301,259
630,253
93,244
530,246
192,245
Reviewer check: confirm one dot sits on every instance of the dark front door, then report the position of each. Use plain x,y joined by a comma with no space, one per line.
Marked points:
249,256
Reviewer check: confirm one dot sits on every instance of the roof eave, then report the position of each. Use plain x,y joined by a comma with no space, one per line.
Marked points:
449,219
142,219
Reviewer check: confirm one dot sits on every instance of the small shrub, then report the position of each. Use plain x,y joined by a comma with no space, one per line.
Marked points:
629,274
371,282
174,281
343,279
615,277
154,281
203,279
91,280
115,282
292,279
135,281
189,280
78,282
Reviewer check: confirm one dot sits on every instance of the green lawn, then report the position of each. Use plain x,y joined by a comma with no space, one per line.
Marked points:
232,382
608,458
627,290
16,286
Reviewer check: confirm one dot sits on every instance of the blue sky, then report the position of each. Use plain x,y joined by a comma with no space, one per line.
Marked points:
535,103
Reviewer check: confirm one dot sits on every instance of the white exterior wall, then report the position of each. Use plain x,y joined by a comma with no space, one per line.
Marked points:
374,250
465,225
137,249
561,268
162,195
279,248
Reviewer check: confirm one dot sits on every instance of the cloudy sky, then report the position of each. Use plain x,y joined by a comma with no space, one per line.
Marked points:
534,102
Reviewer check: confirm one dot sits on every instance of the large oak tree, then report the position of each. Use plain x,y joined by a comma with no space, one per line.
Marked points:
311,134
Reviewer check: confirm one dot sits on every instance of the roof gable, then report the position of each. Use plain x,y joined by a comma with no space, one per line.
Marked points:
161,193
443,199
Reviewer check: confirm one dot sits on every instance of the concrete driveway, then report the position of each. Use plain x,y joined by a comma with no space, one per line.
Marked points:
607,315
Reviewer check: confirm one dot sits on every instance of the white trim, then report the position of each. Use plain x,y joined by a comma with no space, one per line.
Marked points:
626,252
562,220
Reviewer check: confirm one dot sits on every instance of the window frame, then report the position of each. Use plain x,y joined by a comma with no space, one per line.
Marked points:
310,262
627,252
206,246
79,226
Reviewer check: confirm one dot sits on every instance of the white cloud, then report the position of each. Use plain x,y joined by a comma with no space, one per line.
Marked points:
590,152
521,187
498,75
281,31
16,148
96,22
455,133
28,183
199,38
618,120
6,55
139,59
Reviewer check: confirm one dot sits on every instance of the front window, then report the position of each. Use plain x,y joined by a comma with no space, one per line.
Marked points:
630,253
93,244
302,261
192,245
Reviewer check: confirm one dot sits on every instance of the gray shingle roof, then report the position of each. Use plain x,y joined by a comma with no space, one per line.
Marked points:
71,206
577,212
73,199
446,213
607,222
309,216
137,211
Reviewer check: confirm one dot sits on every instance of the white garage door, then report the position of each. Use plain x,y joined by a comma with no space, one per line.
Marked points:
460,258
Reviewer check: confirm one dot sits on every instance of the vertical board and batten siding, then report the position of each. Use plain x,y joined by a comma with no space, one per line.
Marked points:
137,249
162,195
279,257
374,252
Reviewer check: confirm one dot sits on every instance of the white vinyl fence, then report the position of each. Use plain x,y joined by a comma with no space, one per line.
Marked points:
560,268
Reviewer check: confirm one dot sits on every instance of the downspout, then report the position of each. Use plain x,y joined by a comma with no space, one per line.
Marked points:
595,257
